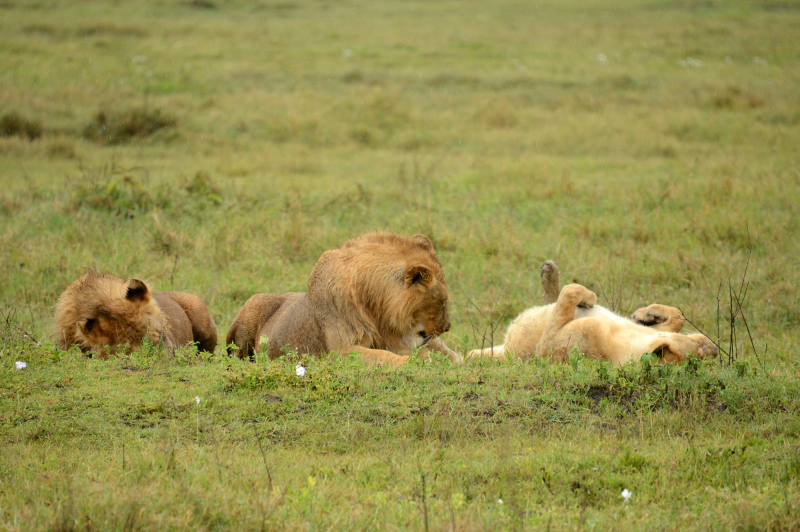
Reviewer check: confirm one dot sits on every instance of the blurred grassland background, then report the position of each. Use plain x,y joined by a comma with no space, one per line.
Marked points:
650,148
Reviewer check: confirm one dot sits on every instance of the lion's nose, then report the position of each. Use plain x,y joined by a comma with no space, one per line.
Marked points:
447,326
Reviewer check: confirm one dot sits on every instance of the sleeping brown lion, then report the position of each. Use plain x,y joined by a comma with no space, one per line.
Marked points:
380,295
573,319
100,312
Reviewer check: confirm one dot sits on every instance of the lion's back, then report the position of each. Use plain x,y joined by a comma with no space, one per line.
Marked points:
198,325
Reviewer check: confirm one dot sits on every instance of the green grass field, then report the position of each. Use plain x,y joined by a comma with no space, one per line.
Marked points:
650,148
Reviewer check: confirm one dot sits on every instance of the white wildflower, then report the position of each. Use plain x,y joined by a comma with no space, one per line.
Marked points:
499,501
21,365
626,494
602,58
691,63
300,370
197,400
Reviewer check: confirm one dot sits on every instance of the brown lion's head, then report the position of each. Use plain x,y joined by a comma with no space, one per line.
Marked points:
381,290
425,295
428,316
113,314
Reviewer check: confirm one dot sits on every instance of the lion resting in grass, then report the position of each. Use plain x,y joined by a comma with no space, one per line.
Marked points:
380,295
99,311
573,319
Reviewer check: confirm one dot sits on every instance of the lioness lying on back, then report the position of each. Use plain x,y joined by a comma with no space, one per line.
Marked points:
99,311
573,319
380,296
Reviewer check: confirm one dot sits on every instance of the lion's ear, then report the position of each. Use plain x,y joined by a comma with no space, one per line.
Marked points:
137,291
420,275
87,326
423,241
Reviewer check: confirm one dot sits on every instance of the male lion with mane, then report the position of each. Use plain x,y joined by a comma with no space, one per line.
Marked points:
572,318
100,310
380,295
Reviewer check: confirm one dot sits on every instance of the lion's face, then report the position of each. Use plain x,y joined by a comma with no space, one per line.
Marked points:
428,316
105,330
123,321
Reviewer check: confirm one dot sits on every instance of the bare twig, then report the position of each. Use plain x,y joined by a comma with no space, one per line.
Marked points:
736,313
721,349
424,501
615,296
739,303
274,507
174,269
732,331
491,323
719,301
263,456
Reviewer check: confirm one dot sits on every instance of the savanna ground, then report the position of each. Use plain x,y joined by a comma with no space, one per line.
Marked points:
648,147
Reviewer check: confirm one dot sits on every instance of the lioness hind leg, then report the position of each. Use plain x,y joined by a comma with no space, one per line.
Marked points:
660,318
563,312
204,331
550,282
243,333
571,296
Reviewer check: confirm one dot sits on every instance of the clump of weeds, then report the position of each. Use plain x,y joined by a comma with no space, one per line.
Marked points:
109,127
15,125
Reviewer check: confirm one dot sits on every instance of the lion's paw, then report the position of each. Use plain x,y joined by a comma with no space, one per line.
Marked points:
660,317
578,295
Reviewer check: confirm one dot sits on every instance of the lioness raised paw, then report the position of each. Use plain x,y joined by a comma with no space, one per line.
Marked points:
659,317
578,295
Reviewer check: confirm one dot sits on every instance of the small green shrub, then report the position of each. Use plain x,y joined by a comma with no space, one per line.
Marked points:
127,192
118,128
201,188
123,195
13,124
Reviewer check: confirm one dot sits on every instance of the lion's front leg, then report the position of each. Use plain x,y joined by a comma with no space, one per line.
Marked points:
336,340
375,356
436,345
659,318
439,346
